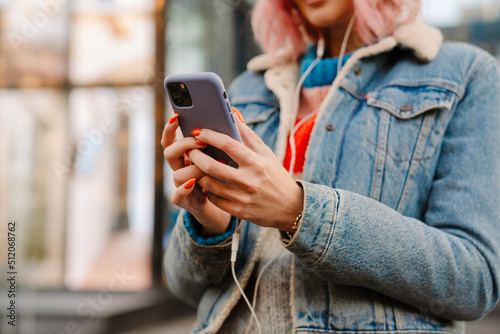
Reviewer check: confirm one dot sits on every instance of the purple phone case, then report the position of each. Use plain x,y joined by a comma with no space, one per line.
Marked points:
210,109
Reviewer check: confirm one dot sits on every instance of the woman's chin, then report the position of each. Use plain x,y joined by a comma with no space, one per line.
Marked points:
325,21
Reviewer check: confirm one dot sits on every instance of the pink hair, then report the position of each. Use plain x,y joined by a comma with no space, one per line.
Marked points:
277,22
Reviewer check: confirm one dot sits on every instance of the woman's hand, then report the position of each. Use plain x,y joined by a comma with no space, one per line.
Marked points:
260,190
187,195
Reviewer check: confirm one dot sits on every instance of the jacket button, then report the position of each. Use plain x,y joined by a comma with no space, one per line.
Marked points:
358,70
407,107
329,127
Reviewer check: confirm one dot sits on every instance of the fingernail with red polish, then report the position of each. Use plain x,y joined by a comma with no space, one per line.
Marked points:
173,118
222,162
199,142
196,132
204,192
189,183
240,116
187,152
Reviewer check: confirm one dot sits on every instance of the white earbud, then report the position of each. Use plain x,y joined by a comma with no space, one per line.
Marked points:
320,49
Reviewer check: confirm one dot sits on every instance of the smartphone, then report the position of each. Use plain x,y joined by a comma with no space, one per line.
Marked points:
201,102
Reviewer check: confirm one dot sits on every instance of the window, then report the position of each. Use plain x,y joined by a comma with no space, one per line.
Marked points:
77,120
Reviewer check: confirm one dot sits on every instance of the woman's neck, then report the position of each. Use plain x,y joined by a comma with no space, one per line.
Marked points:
334,37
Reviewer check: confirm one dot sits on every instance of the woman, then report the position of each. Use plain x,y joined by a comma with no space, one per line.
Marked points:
389,222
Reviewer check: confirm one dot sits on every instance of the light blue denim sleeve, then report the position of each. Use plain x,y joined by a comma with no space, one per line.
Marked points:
190,267
447,264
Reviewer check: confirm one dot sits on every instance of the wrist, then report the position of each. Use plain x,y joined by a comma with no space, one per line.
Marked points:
207,232
193,227
294,215
213,223
289,233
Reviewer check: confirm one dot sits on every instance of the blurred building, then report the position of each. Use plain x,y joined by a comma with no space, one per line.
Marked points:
480,25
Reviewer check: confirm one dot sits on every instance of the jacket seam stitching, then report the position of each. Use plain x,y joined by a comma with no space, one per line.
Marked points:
380,158
449,86
330,232
253,99
480,68
261,117
423,136
394,158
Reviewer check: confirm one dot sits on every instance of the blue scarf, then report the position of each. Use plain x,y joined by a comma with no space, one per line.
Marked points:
324,72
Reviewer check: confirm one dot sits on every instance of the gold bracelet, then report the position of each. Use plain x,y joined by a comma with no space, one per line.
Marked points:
295,226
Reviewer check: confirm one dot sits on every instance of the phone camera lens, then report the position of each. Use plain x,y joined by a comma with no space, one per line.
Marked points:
178,101
173,88
185,94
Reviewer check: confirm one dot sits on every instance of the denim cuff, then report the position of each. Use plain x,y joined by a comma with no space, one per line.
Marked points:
193,228
315,230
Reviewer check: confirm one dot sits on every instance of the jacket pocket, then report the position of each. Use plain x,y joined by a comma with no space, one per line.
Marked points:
261,118
405,123
255,112
408,101
347,309
402,116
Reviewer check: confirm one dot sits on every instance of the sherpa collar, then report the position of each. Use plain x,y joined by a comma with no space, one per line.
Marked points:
422,39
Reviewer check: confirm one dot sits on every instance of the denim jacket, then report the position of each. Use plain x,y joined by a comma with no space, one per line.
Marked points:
401,223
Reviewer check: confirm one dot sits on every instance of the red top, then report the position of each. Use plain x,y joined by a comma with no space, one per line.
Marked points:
310,101
302,136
